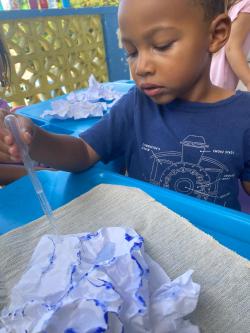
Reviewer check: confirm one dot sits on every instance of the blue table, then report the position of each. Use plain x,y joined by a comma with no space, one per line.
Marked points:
19,204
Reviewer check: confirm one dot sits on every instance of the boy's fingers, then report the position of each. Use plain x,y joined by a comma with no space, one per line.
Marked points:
4,148
25,128
8,153
14,153
7,158
8,139
27,137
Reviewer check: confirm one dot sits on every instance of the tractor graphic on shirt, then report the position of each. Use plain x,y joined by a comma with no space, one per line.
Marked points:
189,171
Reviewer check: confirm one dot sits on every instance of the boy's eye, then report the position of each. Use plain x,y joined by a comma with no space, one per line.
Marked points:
163,47
131,54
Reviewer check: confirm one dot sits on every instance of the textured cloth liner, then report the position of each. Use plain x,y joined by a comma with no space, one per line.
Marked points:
224,304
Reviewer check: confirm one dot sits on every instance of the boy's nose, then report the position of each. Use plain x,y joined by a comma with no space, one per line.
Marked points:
144,65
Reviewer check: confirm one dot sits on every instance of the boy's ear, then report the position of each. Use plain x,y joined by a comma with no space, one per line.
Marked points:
220,29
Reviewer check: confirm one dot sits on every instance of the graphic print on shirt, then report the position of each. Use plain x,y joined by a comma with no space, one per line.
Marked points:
189,170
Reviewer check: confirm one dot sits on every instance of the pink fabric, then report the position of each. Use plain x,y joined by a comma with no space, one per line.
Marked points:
221,73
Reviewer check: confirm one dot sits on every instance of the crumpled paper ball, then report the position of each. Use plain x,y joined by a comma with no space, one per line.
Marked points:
92,102
98,282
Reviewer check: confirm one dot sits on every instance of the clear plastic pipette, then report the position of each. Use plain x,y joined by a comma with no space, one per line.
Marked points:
12,124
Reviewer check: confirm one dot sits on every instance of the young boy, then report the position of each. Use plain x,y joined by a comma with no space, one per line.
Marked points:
175,128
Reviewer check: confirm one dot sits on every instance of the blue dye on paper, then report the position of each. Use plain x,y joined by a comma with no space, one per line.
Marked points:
98,303
141,299
90,236
139,265
106,317
100,330
79,256
128,237
70,330
52,257
106,284
72,273
136,246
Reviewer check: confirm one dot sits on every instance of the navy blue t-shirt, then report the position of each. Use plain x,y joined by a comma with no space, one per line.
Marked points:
200,149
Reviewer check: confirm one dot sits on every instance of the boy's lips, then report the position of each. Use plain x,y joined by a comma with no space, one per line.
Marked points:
151,89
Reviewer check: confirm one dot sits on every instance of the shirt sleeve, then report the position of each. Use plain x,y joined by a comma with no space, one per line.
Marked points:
111,135
245,176
246,7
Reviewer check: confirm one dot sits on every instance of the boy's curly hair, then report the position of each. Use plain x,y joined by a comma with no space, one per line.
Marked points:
212,7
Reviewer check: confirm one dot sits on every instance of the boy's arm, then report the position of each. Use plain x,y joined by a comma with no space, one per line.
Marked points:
234,48
246,186
58,151
10,173
62,152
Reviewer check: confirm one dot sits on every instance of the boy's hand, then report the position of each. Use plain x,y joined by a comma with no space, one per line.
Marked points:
8,149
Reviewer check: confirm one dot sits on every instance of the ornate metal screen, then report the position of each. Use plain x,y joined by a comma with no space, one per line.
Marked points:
52,56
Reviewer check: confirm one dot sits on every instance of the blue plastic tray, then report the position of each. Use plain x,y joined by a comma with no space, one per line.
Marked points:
74,126
19,205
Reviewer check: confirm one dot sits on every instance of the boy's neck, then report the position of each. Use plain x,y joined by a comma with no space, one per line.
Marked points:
205,92
216,94
220,94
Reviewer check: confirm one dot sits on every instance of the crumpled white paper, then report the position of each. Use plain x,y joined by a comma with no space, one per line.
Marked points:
92,102
98,282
